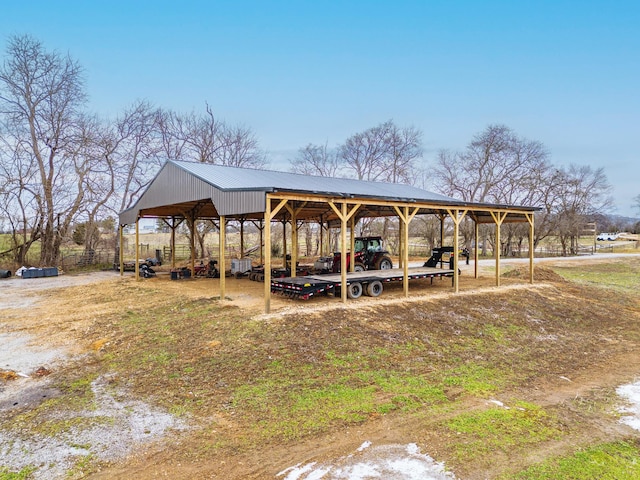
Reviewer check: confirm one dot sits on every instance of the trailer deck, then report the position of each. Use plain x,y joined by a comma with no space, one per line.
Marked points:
369,282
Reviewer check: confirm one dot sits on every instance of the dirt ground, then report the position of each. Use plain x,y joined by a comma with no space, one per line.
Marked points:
47,311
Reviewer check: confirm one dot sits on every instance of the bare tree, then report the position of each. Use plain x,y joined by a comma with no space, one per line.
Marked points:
636,203
584,192
133,148
496,167
384,153
405,147
365,153
41,95
202,138
316,160
18,199
239,147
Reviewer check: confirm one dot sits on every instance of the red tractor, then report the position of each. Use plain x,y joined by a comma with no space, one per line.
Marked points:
369,255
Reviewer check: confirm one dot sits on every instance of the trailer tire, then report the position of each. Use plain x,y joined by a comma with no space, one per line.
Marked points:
384,263
374,289
354,290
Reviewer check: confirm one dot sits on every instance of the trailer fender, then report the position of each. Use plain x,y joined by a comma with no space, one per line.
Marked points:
374,289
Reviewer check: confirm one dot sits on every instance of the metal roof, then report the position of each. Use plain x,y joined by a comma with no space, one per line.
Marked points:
234,178
210,191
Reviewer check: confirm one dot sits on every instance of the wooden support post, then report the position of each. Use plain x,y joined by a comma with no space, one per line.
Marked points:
242,237
221,256
475,250
192,246
530,218
321,239
293,211
352,255
405,218
284,243
344,215
294,243
498,218
267,257
136,268
173,244
121,255
261,228
268,217
343,255
457,216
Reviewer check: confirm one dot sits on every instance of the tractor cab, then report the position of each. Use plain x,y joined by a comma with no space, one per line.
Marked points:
369,254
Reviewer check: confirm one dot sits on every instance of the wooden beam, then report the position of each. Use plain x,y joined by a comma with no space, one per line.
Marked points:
344,214
136,268
121,240
456,216
530,218
267,257
498,218
405,219
221,261
476,233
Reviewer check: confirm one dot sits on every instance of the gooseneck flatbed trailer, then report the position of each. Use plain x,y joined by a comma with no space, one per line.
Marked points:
369,282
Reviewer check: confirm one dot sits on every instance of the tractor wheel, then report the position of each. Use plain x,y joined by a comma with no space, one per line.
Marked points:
354,290
374,289
358,267
384,263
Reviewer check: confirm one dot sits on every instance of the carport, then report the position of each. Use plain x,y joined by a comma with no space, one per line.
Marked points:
187,191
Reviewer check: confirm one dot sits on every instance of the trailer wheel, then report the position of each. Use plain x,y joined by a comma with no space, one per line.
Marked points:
358,267
374,289
384,263
354,290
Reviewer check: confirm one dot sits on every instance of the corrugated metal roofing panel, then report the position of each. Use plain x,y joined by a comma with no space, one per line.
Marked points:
236,191
233,178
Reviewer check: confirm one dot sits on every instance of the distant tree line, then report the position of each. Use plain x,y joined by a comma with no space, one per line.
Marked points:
496,167
65,171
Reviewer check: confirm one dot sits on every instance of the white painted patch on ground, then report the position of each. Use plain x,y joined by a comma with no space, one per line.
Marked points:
631,393
109,431
19,354
388,462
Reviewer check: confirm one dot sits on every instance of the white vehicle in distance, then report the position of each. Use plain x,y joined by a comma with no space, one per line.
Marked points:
607,237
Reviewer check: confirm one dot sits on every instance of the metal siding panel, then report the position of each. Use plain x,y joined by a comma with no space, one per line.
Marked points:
239,203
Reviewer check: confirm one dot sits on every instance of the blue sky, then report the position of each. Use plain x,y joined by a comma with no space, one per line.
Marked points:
566,73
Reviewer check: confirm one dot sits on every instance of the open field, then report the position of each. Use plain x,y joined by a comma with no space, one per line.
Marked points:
511,382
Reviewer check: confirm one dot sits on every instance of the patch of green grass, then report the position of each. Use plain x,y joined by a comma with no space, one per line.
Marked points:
474,379
82,467
609,461
408,392
617,276
22,474
480,433
289,414
78,395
